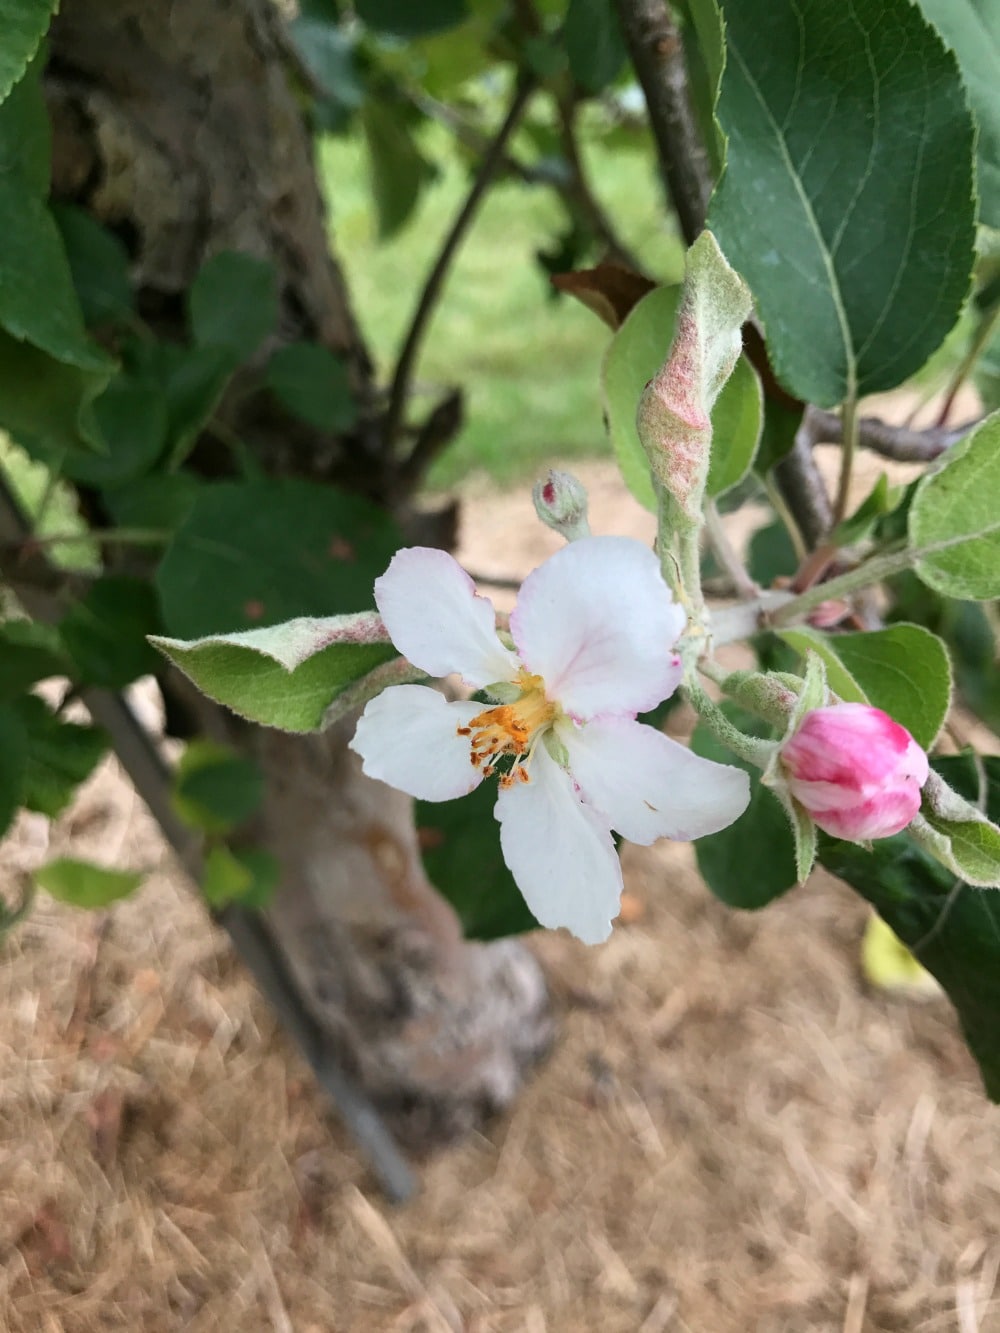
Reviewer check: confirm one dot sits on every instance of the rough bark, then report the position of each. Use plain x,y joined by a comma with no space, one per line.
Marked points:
175,125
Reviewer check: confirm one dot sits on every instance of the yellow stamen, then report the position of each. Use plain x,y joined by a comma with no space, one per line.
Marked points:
510,729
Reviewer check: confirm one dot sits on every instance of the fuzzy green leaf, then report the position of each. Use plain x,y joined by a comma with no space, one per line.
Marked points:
634,355
954,521
286,676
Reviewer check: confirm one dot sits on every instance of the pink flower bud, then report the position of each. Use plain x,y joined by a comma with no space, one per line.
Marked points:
856,771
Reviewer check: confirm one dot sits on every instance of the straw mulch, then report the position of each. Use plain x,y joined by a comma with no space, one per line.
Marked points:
734,1135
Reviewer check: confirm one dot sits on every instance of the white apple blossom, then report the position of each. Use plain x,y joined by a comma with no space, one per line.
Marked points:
594,627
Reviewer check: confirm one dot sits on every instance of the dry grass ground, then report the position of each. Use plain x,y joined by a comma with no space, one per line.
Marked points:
734,1134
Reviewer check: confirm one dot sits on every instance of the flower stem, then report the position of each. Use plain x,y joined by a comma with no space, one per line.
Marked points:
751,748
849,420
669,567
872,571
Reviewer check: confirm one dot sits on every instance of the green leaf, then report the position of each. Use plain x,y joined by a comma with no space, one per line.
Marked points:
49,369
314,384
968,847
972,30
954,520
674,413
904,670
61,755
973,644
461,851
23,23
847,197
105,632
44,403
771,554
737,419
957,833
635,354
706,62
38,304
286,676
398,169
881,500
594,43
29,652
329,54
191,380
158,501
246,875
84,885
216,789
233,303
132,420
258,552
777,435
753,861
951,928
13,762
403,18
99,265
26,134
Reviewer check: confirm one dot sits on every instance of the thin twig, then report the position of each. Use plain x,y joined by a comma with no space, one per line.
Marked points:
657,54
899,443
579,191
800,483
726,553
780,507
488,167
546,173
152,780
980,339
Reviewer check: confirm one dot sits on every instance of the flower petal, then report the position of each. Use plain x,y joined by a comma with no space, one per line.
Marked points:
438,621
648,786
408,737
560,852
597,623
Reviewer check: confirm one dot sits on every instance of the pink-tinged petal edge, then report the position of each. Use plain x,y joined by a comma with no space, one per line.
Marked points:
560,853
597,623
408,738
438,621
649,786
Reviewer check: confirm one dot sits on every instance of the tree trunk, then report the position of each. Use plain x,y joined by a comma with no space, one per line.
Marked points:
175,125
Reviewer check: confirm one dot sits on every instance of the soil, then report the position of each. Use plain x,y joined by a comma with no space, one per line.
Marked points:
734,1132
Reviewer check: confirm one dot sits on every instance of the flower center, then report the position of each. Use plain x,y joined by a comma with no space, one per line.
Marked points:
511,729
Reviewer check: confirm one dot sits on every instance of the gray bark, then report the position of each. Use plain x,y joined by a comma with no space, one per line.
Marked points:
175,125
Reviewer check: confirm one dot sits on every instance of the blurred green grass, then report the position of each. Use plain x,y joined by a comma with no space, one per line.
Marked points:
529,364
